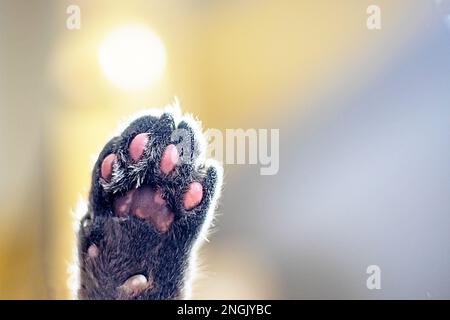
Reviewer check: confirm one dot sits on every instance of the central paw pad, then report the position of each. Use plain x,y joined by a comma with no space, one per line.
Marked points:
146,203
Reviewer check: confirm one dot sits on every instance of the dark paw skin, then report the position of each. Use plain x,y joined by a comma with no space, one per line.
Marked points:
148,205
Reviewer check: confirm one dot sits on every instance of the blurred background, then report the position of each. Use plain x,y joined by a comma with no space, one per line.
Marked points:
364,136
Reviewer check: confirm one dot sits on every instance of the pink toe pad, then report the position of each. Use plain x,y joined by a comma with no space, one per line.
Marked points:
193,196
169,159
137,146
107,166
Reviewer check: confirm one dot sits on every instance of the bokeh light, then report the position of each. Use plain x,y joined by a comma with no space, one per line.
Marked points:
132,57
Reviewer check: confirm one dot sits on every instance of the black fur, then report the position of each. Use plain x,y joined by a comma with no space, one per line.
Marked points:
130,246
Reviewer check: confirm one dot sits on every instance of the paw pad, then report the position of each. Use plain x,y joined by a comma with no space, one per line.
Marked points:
169,159
137,146
135,285
146,203
193,196
107,166
93,251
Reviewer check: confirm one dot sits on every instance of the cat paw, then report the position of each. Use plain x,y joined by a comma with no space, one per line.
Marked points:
152,195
